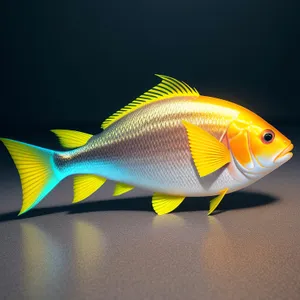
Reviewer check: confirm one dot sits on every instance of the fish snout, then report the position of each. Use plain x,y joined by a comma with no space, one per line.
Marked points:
285,154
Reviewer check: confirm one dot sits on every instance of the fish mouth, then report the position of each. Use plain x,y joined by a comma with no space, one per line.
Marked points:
286,151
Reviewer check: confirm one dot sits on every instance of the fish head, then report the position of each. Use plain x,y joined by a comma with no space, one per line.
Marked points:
257,146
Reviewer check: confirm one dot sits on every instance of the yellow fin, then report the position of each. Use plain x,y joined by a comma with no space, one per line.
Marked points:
208,153
122,188
86,185
36,169
71,138
167,88
216,201
163,204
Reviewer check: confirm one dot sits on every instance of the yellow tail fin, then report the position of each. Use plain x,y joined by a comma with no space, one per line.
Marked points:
37,171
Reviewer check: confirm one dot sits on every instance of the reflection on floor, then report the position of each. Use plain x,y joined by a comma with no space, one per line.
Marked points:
121,250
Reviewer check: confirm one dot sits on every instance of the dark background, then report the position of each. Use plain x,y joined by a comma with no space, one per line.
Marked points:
70,62
73,63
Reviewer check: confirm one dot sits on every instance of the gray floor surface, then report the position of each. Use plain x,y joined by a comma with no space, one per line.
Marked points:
119,249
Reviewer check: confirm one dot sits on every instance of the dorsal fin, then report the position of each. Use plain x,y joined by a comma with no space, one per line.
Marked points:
167,88
71,138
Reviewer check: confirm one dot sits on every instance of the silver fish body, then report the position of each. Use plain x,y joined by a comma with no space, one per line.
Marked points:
149,148
170,140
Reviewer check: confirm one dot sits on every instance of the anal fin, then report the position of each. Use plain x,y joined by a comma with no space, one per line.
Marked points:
163,204
216,201
86,185
71,138
122,188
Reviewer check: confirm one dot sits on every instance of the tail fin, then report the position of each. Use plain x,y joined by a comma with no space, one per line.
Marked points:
37,171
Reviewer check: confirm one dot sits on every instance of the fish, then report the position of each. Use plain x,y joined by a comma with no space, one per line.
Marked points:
171,141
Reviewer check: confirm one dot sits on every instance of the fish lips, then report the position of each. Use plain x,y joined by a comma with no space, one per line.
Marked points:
284,155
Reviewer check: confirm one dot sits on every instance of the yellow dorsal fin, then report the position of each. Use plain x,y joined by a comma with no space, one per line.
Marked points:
71,138
208,153
122,188
216,201
167,88
163,204
86,185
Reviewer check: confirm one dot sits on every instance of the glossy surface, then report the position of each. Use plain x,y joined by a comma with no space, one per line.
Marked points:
120,249
170,141
149,148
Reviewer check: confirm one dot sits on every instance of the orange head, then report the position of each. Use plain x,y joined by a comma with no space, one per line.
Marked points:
257,146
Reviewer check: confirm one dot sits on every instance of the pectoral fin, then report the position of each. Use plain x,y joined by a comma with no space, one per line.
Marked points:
208,153
86,185
163,204
216,201
122,188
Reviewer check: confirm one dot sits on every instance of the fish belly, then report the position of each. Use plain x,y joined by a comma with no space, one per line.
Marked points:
149,148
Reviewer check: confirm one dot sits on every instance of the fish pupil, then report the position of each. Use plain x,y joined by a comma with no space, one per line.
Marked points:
268,136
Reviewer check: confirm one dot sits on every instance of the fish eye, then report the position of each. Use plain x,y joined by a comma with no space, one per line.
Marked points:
268,136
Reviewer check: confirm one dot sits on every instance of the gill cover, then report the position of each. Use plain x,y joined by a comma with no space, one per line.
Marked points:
238,138
255,143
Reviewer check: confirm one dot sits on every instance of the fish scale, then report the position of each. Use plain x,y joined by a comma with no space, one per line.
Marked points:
171,140
150,148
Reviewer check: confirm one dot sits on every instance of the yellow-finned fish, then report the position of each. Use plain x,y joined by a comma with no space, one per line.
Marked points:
171,140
